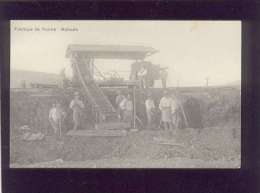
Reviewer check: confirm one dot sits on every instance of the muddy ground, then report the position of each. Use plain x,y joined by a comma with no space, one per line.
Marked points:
217,144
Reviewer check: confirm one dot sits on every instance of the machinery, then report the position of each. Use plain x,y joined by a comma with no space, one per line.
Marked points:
82,61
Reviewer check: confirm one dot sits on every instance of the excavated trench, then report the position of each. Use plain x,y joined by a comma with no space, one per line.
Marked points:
219,139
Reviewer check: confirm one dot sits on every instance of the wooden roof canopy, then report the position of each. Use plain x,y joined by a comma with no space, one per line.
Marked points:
110,51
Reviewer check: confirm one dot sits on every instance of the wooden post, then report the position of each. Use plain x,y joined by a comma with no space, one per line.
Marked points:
207,81
91,68
134,107
75,79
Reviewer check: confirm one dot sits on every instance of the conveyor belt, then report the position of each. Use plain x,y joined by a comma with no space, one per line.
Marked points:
95,94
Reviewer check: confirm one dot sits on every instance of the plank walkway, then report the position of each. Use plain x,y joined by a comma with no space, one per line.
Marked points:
113,125
97,133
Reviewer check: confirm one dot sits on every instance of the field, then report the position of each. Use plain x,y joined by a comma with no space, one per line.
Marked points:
216,144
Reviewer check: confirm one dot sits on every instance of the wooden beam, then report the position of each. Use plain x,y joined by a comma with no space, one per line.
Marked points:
134,107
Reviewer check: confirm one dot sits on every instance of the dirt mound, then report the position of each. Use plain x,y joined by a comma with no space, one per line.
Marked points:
214,107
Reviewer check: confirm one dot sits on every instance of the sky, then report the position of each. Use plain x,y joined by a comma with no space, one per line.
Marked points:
192,50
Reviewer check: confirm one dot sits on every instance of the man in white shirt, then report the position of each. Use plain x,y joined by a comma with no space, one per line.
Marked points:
165,107
150,107
56,116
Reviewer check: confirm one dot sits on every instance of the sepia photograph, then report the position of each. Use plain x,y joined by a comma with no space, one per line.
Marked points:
125,94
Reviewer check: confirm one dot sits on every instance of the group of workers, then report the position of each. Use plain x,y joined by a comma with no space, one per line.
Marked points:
169,109
57,114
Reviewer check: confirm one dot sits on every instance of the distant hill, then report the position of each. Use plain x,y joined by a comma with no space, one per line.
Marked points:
17,76
234,83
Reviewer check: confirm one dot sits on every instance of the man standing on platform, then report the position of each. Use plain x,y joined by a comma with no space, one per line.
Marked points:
134,70
76,105
142,73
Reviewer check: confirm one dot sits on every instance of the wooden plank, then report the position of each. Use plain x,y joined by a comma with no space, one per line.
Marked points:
162,141
170,143
97,133
113,125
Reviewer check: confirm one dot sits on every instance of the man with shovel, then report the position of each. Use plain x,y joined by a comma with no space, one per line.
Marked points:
56,117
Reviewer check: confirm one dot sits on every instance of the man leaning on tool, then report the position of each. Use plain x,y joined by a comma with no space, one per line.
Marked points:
56,118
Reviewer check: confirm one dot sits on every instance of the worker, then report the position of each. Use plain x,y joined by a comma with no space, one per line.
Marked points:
127,107
150,109
119,99
164,75
165,107
76,105
56,117
142,76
